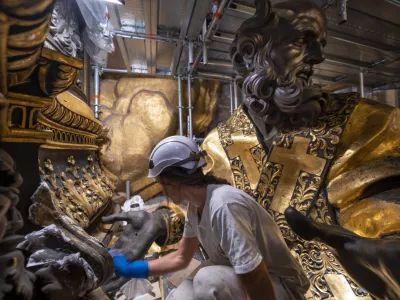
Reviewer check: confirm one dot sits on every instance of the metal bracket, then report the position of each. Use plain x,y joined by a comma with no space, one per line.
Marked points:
100,69
376,63
342,7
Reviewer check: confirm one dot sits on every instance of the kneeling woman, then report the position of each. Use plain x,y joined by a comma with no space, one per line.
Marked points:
248,255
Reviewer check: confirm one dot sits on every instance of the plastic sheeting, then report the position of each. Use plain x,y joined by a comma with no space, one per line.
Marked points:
136,203
49,250
96,36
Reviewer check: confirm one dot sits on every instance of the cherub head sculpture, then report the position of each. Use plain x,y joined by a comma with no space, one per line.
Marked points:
274,53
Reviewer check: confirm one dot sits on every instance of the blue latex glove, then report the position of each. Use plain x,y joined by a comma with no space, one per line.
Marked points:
124,268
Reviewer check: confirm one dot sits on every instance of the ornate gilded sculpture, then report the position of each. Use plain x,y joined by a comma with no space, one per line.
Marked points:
330,156
54,139
53,253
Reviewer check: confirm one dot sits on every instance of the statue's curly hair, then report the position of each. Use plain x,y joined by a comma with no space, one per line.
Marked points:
273,98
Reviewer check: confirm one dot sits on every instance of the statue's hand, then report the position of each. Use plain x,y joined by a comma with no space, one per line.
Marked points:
373,263
62,283
15,280
112,287
142,230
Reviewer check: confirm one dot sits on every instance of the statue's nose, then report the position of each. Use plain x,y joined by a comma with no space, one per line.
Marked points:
315,53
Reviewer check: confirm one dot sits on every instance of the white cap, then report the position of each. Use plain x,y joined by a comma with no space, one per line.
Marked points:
178,151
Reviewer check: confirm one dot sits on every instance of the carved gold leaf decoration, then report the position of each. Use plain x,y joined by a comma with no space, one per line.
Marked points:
175,223
72,122
69,115
326,132
237,122
57,72
239,174
93,185
83,193
305,191
79,197
90,163
259,156
320,212
72,167
268,182
48,173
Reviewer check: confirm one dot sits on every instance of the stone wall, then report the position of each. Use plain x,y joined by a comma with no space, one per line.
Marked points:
390,97
223,106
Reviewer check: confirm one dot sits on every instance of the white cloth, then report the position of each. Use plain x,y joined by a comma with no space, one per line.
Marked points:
221,283
236,231
210,283
136,288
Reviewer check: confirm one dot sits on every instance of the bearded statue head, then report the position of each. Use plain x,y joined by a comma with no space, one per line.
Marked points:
273,55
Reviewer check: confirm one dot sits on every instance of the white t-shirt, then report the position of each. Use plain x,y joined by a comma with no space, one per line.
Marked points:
237,231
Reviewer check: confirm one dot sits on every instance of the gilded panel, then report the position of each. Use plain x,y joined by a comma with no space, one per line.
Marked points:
144,109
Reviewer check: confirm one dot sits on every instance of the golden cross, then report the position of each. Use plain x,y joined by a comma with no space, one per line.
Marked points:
241,147
293,160
340,288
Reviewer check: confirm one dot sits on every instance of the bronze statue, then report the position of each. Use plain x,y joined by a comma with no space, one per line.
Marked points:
15,280
292,145
372,263
329,156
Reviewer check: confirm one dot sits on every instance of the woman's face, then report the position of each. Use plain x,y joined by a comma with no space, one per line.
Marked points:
172,190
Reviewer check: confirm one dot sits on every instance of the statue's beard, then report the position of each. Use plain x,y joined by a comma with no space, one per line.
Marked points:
276,99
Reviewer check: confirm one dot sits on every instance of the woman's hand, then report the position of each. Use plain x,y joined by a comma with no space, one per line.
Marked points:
124,268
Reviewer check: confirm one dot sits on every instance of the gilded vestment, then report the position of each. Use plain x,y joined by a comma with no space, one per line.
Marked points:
340,169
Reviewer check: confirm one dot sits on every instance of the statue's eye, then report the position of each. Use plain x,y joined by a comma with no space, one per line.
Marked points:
300,41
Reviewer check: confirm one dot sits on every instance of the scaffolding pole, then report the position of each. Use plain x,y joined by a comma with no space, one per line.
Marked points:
128,189
205,51
362,83
96,105
144,36
207,35
231,96
190,108
180,107
235,93
190,49
342,7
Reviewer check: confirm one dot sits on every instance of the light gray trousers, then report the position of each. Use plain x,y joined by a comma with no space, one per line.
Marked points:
219,283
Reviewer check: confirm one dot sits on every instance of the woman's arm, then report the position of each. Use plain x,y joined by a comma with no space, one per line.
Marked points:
174,261
258,283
